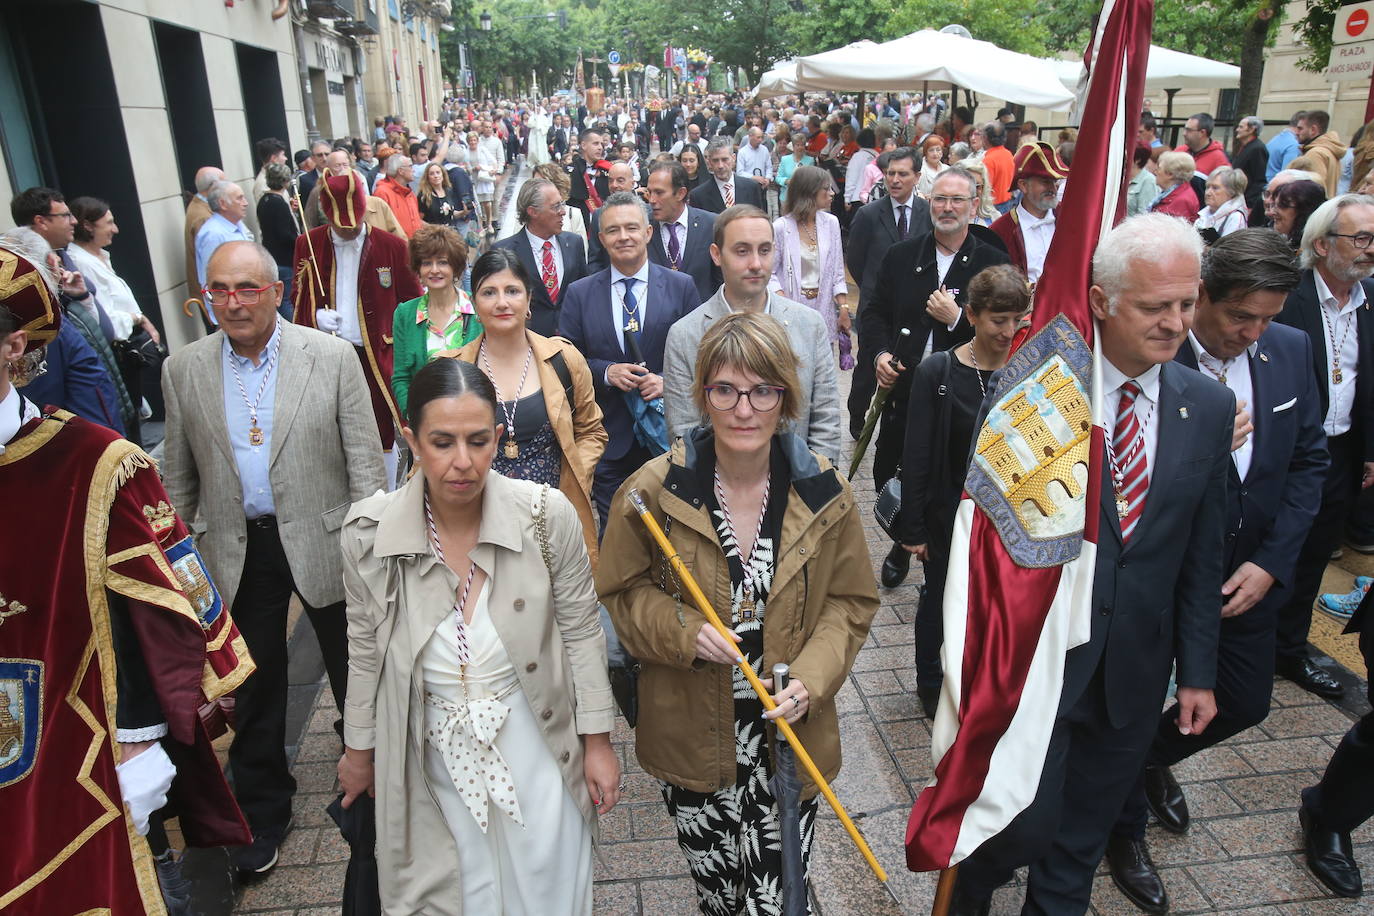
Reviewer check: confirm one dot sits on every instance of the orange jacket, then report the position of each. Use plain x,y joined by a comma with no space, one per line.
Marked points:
402,202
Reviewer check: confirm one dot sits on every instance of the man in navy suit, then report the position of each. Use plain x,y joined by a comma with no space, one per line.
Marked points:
618,318
724,188
1331,305
554,259
1278,464
682,234
1157,582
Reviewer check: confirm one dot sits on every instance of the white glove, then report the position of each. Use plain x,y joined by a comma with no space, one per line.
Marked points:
328,320
144,782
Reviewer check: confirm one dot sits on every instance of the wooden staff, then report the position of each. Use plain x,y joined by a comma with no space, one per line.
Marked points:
310,246
944,891
703,605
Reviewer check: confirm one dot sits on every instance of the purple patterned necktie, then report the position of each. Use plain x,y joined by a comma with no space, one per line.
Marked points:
674,249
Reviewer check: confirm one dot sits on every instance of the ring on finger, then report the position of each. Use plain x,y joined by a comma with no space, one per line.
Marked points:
796,702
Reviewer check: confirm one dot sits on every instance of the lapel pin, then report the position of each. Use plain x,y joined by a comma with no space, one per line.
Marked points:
1264,357
1183,412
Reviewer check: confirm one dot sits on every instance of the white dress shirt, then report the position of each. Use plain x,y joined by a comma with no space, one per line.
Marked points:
1146,408
15,411
1237,372
348,258
754,160
681,223
897,206
537,246
1037,234
1342,321
619,314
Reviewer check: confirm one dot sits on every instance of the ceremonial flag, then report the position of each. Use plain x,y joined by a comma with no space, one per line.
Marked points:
1019,588
578,77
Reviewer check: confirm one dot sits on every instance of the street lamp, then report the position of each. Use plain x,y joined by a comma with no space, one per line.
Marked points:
484,21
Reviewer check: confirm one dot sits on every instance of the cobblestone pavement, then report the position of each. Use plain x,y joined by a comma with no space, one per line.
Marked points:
1241,855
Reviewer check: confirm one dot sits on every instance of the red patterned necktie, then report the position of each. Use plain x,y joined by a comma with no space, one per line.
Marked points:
730,194
1129,471
550,272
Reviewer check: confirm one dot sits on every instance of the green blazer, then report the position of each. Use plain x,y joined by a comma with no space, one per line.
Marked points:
410,346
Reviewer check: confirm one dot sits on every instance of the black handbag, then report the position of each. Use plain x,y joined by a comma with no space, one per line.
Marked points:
888,507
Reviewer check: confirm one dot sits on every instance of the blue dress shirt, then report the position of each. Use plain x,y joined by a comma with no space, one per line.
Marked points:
253,461
213,233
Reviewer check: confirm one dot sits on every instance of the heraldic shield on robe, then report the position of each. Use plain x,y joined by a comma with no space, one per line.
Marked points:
88,528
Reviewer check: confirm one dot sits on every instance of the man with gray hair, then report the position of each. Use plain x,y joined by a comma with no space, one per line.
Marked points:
197,212
722,190
1251,157
553,258
395,190
1337,262
228,206
618,318
1156,593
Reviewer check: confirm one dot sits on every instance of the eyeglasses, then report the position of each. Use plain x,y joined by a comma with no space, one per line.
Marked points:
245,296
1360,240
67,215
941,201
761,397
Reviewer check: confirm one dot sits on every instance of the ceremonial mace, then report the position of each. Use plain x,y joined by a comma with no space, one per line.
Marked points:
698,598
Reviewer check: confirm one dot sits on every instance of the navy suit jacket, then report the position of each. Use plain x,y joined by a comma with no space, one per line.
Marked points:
696,253
586,321
706,196
544,311
1303,311
1269,513
76,380
1158,597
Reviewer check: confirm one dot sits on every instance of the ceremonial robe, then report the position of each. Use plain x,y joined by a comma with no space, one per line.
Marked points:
385,281
93,551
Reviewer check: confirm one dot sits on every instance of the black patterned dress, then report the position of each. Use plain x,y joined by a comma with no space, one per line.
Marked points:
730,836
540,458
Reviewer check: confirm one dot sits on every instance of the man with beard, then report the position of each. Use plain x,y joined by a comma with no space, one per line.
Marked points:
1327,304
1028,229
922,287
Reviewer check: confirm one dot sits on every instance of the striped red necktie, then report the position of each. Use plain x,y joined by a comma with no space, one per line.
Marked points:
550,272
1129,471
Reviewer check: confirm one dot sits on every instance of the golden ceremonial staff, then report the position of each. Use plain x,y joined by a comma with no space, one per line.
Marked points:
685,576
310,246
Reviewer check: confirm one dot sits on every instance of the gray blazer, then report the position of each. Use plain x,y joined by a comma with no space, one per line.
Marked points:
326,455
819,423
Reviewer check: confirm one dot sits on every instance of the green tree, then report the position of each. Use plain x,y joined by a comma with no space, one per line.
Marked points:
1314,30
1012,24
825,24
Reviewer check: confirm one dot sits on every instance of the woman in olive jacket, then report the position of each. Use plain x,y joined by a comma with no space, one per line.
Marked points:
772,535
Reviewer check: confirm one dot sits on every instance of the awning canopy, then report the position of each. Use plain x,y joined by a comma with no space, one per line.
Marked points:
1167,69
781,80
939,61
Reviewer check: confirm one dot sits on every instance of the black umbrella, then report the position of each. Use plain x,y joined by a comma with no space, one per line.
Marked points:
786,786
358,826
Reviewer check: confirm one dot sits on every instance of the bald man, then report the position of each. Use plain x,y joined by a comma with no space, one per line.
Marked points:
621,177
197,212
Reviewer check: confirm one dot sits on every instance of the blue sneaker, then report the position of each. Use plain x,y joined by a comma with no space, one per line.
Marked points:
1343,606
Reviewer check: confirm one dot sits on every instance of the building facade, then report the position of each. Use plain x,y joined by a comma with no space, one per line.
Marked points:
403,76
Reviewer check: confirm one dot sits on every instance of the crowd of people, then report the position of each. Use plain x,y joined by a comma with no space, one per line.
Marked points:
422,420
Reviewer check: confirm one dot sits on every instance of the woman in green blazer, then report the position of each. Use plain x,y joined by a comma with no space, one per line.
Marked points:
443,318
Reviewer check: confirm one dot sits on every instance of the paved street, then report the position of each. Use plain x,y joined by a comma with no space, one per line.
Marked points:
1242,854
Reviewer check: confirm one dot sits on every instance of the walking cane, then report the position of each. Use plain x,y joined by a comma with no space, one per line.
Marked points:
703,605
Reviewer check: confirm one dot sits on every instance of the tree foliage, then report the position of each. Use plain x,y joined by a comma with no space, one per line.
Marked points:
1314,30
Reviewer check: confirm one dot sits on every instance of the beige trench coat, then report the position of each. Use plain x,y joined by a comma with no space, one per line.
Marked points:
398,593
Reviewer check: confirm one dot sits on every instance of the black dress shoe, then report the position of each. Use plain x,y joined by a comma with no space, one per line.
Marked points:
896,566
1305,673
1330,857
930,700
1166,799
1135,875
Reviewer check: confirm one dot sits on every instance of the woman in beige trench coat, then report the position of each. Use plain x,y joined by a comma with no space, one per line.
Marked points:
478,707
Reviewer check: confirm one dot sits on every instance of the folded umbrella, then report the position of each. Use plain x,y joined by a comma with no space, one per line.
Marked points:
786,788
357,824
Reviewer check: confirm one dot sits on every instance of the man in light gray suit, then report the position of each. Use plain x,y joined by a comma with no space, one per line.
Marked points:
270,438
743,249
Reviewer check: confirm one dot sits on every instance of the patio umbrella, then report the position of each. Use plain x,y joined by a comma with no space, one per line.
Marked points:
786,788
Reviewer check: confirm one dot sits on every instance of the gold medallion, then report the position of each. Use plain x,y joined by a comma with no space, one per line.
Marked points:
1337,376
1123,506
632,326
512,450
746,609
255,436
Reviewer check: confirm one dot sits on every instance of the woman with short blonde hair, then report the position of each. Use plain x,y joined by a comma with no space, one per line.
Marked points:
790,573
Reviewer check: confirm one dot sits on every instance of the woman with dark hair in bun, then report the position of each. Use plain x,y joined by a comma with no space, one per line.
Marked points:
478,710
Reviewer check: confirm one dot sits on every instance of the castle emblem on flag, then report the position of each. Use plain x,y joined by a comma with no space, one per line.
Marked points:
1030,468
21,716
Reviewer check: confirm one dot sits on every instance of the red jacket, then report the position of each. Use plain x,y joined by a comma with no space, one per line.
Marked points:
1181,202
402,202
1008,229
1209,158
1001,168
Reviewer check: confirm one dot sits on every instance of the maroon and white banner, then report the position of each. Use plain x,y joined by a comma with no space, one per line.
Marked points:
1019,587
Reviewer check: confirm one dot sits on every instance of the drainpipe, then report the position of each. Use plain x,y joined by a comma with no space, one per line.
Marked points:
312,131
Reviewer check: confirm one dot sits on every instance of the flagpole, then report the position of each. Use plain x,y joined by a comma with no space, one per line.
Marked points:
944,891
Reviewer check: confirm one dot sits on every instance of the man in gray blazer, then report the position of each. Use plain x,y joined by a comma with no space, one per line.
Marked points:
743,248
270,439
